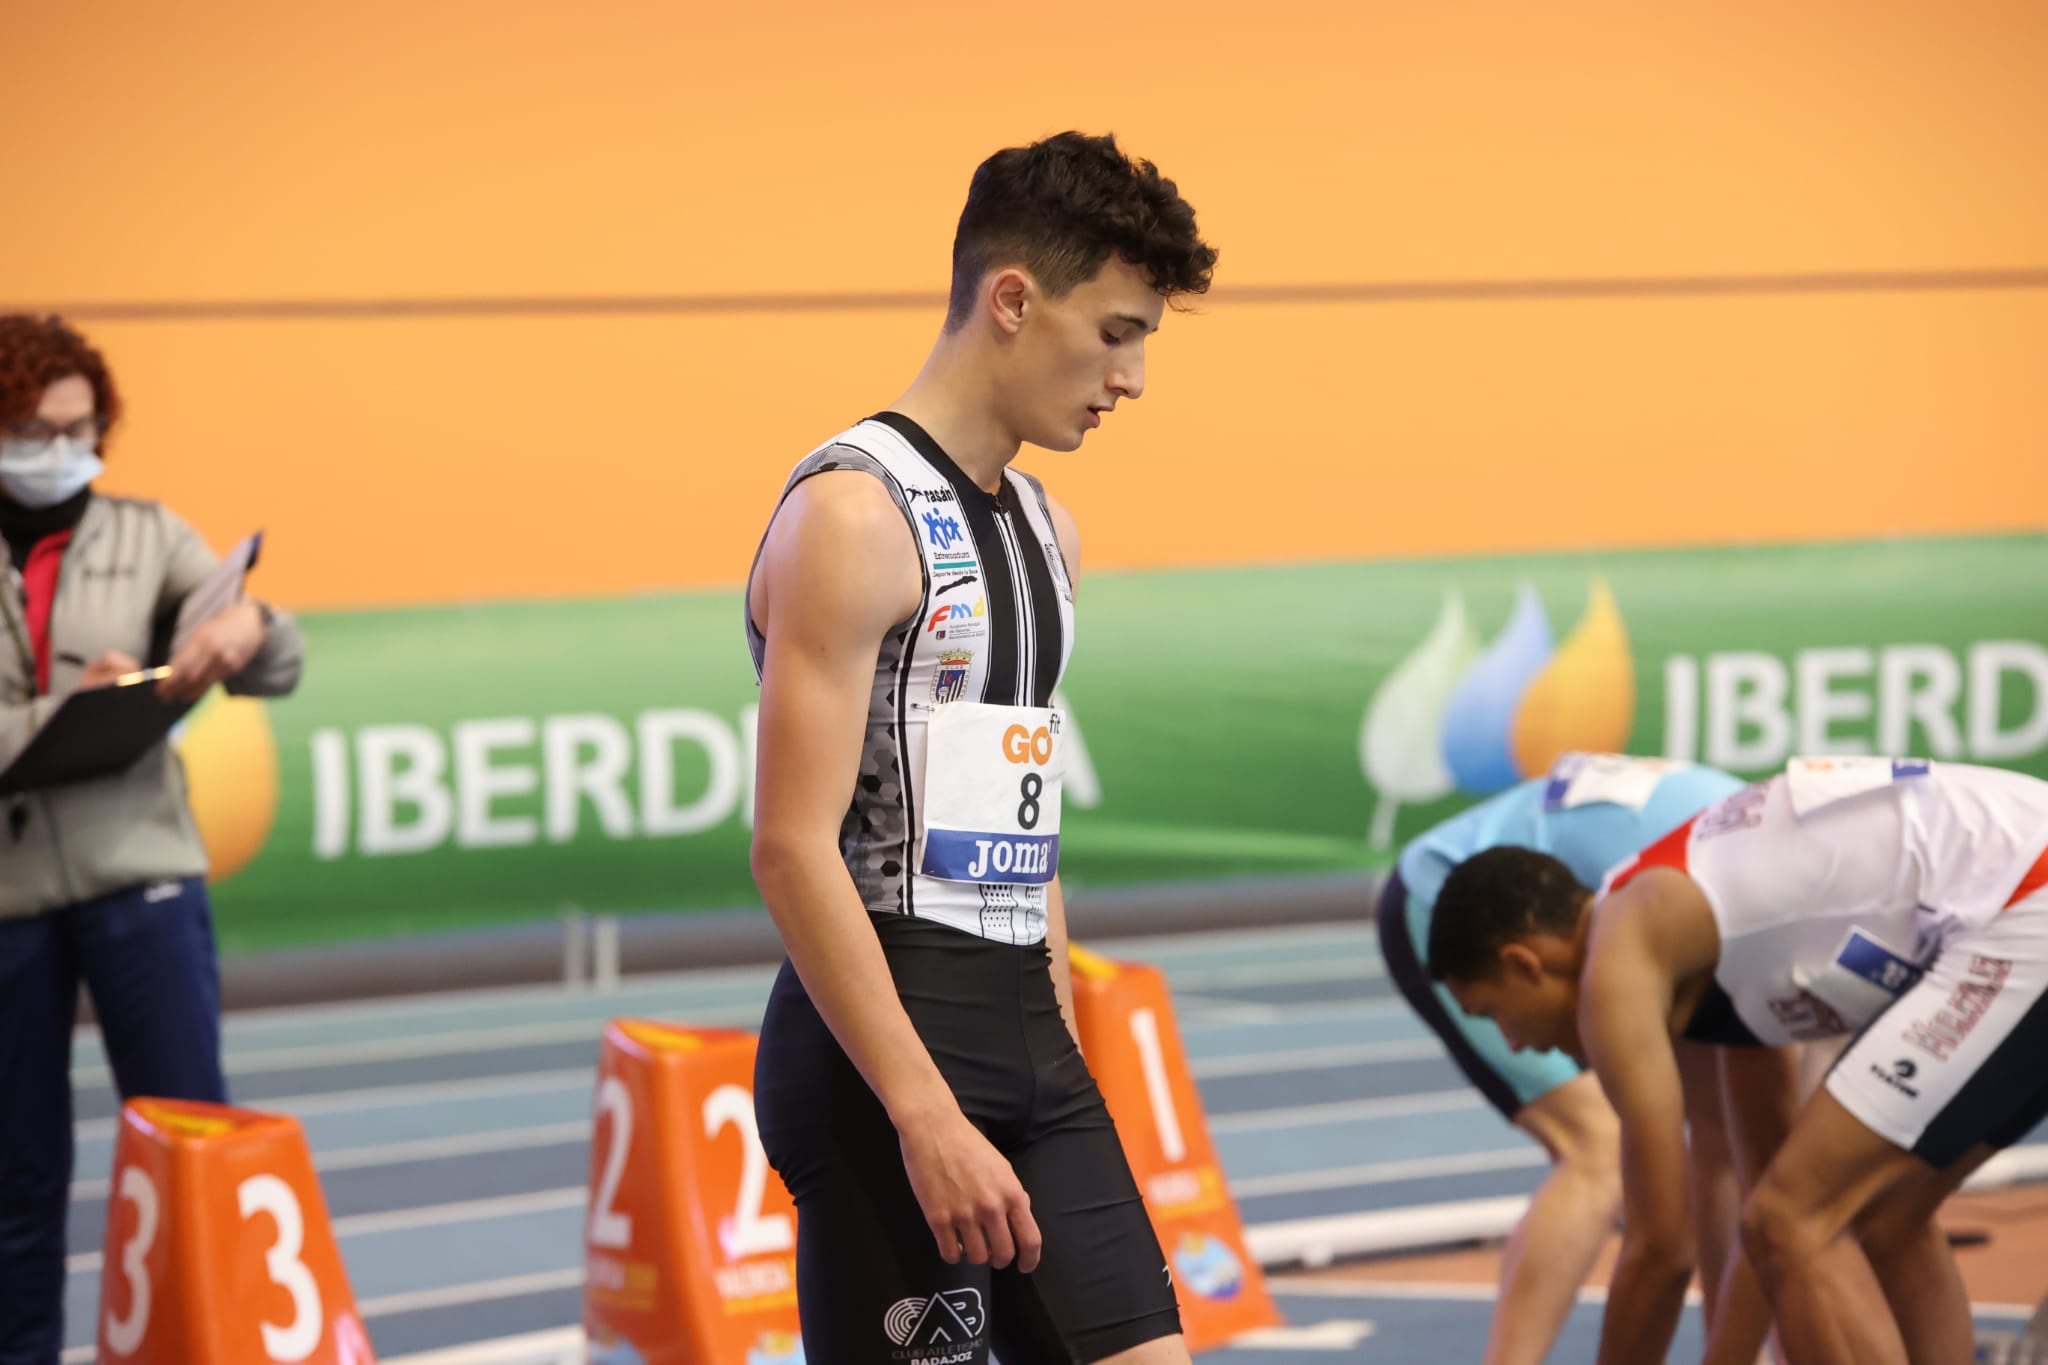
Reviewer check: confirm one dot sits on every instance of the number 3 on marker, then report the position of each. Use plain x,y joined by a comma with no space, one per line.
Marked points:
258,1194
125,1334
268,1194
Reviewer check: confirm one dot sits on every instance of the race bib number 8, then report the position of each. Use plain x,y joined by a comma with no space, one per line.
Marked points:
992,794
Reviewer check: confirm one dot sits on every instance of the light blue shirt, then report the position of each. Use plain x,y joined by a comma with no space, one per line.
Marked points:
1588,839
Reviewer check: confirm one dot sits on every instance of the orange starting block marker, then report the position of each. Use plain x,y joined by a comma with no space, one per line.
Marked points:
690,1239
1125,1016
218,1250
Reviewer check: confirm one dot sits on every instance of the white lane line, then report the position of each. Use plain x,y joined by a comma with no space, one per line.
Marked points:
1387,1172
1199,1012
556,1346
414,1149
466,1001
1300,1286
261,1062
405,1220
264,1060
576,1078
1328,1057
569,1196
1344,1111
1279,973
1214,1013
393,1096
483,1291
1140,947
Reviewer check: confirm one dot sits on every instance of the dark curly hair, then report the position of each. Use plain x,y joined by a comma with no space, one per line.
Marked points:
1493,898
1061,207
36,352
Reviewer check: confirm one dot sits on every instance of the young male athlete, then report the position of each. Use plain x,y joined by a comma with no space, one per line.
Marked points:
919,1088
1904,899
1591,812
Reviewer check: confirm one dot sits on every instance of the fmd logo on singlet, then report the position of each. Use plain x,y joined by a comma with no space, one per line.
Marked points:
944,1329
958,621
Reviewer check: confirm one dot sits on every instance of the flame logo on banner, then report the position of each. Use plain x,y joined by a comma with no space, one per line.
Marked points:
1455,717
230,758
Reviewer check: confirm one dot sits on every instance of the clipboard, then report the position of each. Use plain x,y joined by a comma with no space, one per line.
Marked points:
95,733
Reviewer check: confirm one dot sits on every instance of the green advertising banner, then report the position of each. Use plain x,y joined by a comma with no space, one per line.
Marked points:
460,766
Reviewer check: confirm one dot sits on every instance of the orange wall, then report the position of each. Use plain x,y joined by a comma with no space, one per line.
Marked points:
388,151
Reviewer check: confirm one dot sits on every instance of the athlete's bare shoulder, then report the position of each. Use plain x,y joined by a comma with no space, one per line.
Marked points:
838,543
1658,925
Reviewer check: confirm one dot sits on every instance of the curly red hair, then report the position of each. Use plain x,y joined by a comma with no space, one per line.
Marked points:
37,352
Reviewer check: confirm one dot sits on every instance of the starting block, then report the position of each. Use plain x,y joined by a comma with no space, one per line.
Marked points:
218,1249
690,1239
1125,1016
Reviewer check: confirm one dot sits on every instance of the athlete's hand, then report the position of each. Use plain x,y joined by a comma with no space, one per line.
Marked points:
972,1201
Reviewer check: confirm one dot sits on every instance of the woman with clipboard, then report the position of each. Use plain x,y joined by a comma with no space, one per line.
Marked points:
102,874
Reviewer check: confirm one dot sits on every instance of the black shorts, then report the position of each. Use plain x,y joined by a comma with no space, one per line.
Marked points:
870,1283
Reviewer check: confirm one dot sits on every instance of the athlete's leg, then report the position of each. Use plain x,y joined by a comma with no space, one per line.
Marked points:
1915,1264
872,1288
1546,1095
1830,1167
1716,1193
1103,1289
1165,1351
1952,1066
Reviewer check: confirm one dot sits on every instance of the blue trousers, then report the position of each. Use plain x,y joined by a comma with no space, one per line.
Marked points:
147,956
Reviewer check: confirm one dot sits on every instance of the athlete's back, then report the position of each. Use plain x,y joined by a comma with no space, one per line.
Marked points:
1835,882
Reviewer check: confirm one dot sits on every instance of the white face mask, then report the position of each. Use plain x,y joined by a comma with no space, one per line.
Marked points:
45,473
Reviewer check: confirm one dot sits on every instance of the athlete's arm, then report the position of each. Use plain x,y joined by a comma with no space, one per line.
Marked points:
837,573
1056,944
1759,1099
1069,536
1624,1023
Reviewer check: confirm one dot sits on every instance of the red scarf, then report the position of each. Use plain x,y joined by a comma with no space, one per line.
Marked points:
39,583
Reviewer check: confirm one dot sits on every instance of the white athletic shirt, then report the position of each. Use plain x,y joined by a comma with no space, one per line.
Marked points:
1837,882
955,814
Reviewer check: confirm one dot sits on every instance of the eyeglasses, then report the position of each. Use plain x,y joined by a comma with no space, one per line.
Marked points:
36,429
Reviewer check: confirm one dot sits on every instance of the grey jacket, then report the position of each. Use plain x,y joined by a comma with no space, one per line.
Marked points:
129,564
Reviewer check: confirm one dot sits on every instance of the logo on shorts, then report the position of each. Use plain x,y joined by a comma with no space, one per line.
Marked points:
949,679
1943,1032
942,531
936,1331
1902,1071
